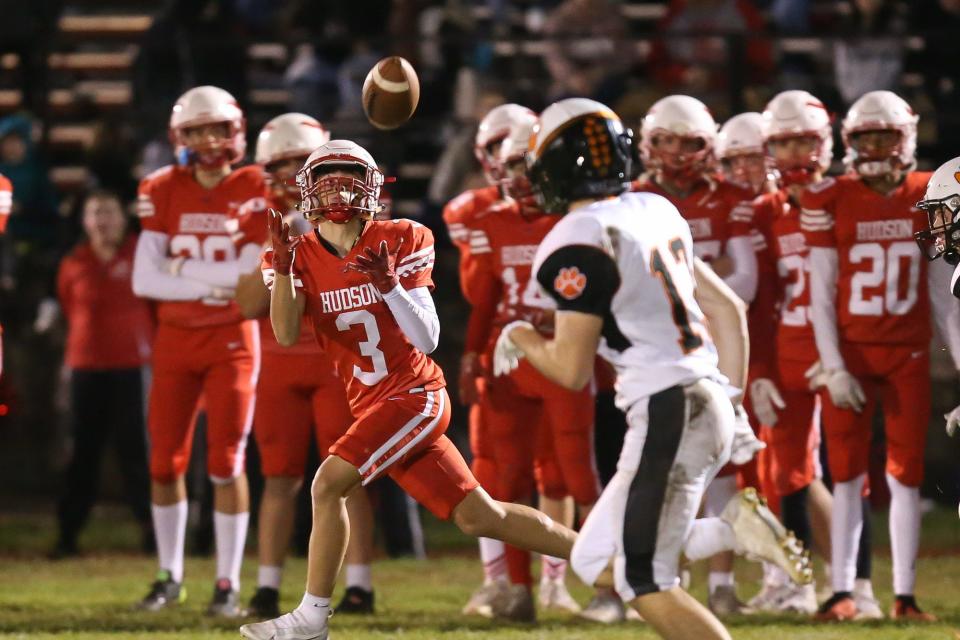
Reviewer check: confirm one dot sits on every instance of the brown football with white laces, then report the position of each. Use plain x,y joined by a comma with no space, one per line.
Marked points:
391,92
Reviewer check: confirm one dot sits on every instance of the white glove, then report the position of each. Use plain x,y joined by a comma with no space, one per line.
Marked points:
845,391
953,421
173,266
766,399
47,313
745,443
816,376
506,355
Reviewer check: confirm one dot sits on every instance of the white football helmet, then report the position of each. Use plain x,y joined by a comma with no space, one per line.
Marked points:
793,114
880,111
291,135
208,105
685,117
742,134
511,157
340,198
942,205
493,129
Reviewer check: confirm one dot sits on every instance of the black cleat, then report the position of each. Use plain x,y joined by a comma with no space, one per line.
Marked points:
356,600
226,601
164,593
265,604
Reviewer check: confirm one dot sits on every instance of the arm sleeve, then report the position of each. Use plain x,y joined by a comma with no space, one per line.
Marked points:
580,278
149,281
946,308
743,280
823,303
222,274
416,315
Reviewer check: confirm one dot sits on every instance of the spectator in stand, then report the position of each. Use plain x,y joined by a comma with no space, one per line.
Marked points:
870,55
588,50
109,333
34,212
684,60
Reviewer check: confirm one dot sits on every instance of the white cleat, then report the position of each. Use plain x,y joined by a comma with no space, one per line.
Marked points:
481,601
760,536
605,607
292,626
554,595
770,594
724,602
798,599
867,606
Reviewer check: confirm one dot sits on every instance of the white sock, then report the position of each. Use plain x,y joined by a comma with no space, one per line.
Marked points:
268,576
904,535
552,569
170,528
708,537
718,494
358,575
314,610
720,579
230,530
494,559
845,526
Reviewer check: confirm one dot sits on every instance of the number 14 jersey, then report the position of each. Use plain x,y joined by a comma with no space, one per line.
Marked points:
882,292
353,324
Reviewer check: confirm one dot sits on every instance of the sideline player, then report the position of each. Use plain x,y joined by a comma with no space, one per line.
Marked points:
187,260
296,394
366,287
871,297
459,215
651,327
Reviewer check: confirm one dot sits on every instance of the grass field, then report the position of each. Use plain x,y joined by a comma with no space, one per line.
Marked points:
89,598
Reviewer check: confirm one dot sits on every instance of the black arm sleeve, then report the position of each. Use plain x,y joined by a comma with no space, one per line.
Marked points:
580,278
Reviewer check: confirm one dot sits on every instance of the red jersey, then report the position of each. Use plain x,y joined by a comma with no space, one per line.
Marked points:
707,210
459,215
108,327
882,293
6,201
505,244
354,326
196,220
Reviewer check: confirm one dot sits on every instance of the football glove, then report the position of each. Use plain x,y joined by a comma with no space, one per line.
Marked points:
816,376
953,422
745,442
845,391
766,399
380,266
506,355
284,247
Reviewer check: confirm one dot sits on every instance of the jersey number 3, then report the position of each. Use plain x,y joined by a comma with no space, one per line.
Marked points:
368,347
689,338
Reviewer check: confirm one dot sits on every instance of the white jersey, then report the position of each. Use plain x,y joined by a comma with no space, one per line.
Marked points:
630,260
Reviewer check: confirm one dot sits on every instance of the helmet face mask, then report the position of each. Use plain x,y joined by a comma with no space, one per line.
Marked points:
796,158
680,159
876,152
942,237
339,181
207,145
748,169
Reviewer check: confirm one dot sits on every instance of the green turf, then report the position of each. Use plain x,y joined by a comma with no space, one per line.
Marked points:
89,598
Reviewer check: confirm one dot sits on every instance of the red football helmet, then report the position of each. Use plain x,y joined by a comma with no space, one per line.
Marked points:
340,198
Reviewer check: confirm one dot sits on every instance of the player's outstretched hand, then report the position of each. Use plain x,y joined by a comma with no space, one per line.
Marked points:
766,399
953,422
284,247
506,355
816,376
845,391
380,266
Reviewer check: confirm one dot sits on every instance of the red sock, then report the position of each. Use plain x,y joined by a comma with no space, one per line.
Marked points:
518,566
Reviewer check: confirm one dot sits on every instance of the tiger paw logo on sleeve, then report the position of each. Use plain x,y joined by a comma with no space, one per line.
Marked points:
570,283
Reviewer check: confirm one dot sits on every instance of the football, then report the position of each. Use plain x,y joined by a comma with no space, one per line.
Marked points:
391,92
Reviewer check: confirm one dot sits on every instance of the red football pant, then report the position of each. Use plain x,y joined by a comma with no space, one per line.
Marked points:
898,378
219,364
483,466
516,408
403,437
297,394
795,440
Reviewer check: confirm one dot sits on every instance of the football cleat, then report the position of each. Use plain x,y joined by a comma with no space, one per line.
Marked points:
226,601
867,606
264,604
163,593
356,600
905,608
554,595
839,607
796,598
291,626
760,536
724,602
515,604
481,601
606,607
